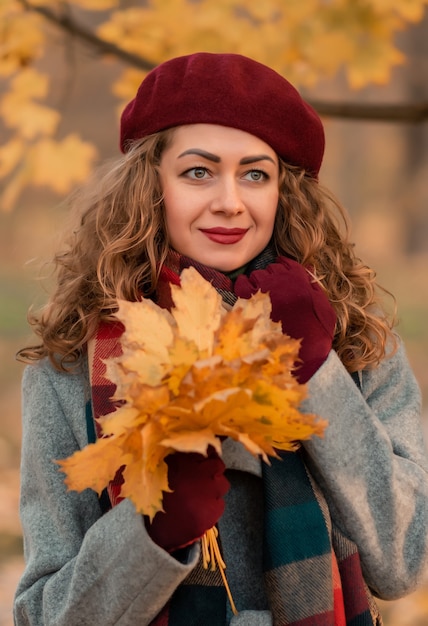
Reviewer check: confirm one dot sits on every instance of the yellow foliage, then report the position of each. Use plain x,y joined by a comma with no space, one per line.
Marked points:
197,319
22,37
125,87
305,40
186,378
57,164
373,64
96,5
409,10
302,39
106,454
20,111
60,164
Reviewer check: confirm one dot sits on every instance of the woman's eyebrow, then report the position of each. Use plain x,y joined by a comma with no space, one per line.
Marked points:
216,159
255,158
206,155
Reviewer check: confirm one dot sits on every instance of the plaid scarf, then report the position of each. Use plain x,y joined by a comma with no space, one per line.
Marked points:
312,571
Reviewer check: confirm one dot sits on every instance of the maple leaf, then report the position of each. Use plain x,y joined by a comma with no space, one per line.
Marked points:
105,456
235,380
126,86
19,109
60,164
145,478
22,37
148,352
411,10
199,318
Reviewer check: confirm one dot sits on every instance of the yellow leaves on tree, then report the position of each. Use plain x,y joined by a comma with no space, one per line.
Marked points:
20,110
32,155
60,164
96,5
22,37
305,40
411,10
187,378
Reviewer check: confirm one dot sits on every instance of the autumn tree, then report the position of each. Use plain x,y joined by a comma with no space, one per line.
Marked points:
306,40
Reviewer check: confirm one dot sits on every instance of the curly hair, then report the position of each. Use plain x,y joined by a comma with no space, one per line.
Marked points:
313,228
120,243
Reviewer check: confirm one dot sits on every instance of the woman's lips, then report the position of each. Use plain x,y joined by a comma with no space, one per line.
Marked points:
224,235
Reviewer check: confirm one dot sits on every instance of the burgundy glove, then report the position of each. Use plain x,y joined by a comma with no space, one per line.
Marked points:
196,502
300,305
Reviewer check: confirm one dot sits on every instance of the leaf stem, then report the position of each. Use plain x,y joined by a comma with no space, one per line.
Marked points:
211,554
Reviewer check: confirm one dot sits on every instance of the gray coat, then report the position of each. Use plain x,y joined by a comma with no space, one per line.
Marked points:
85,568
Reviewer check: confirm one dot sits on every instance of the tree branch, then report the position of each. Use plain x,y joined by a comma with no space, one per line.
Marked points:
410,112
70,26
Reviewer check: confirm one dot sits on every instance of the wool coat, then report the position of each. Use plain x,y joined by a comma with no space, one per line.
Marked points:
86,568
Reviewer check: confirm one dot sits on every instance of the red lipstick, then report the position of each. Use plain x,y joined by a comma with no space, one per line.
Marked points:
224,235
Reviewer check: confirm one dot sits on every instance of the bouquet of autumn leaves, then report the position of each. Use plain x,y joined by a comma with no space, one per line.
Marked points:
187,377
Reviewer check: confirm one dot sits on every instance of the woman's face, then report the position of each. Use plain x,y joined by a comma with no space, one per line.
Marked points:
220,189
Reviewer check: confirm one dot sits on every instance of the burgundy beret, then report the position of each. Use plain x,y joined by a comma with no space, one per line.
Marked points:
230,90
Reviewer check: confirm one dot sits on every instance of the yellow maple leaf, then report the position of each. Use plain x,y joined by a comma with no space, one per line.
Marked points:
96,465
245,390
199,318
411,10
30,83
182,356
61,164
120,422
128,28
22,37
19,110
145,482
30,118
125,87
374,64
193,441
146,352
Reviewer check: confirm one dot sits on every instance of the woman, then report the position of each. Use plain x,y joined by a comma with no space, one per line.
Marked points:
220,172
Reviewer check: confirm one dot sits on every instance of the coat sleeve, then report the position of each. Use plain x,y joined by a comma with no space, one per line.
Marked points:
372,465
82,567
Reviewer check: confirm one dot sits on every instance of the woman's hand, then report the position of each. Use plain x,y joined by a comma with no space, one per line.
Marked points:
196,502
300,305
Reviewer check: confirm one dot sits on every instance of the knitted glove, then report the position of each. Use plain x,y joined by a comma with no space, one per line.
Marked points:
300,305
196,502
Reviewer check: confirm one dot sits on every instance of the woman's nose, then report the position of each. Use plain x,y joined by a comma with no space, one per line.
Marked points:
227,198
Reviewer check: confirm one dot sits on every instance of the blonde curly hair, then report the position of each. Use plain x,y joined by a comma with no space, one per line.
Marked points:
120,242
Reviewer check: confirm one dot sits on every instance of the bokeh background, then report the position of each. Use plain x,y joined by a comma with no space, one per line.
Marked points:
379,170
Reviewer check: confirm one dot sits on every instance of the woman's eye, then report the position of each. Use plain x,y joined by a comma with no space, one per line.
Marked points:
256,175
196,173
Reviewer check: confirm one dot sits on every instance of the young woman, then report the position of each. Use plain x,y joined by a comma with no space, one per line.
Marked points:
220,172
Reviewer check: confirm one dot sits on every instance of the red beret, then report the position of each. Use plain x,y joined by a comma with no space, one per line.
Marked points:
229,90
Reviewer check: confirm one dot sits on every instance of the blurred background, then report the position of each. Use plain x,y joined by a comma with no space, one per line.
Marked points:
378,169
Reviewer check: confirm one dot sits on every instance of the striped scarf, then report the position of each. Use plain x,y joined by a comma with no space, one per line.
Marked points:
312,571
